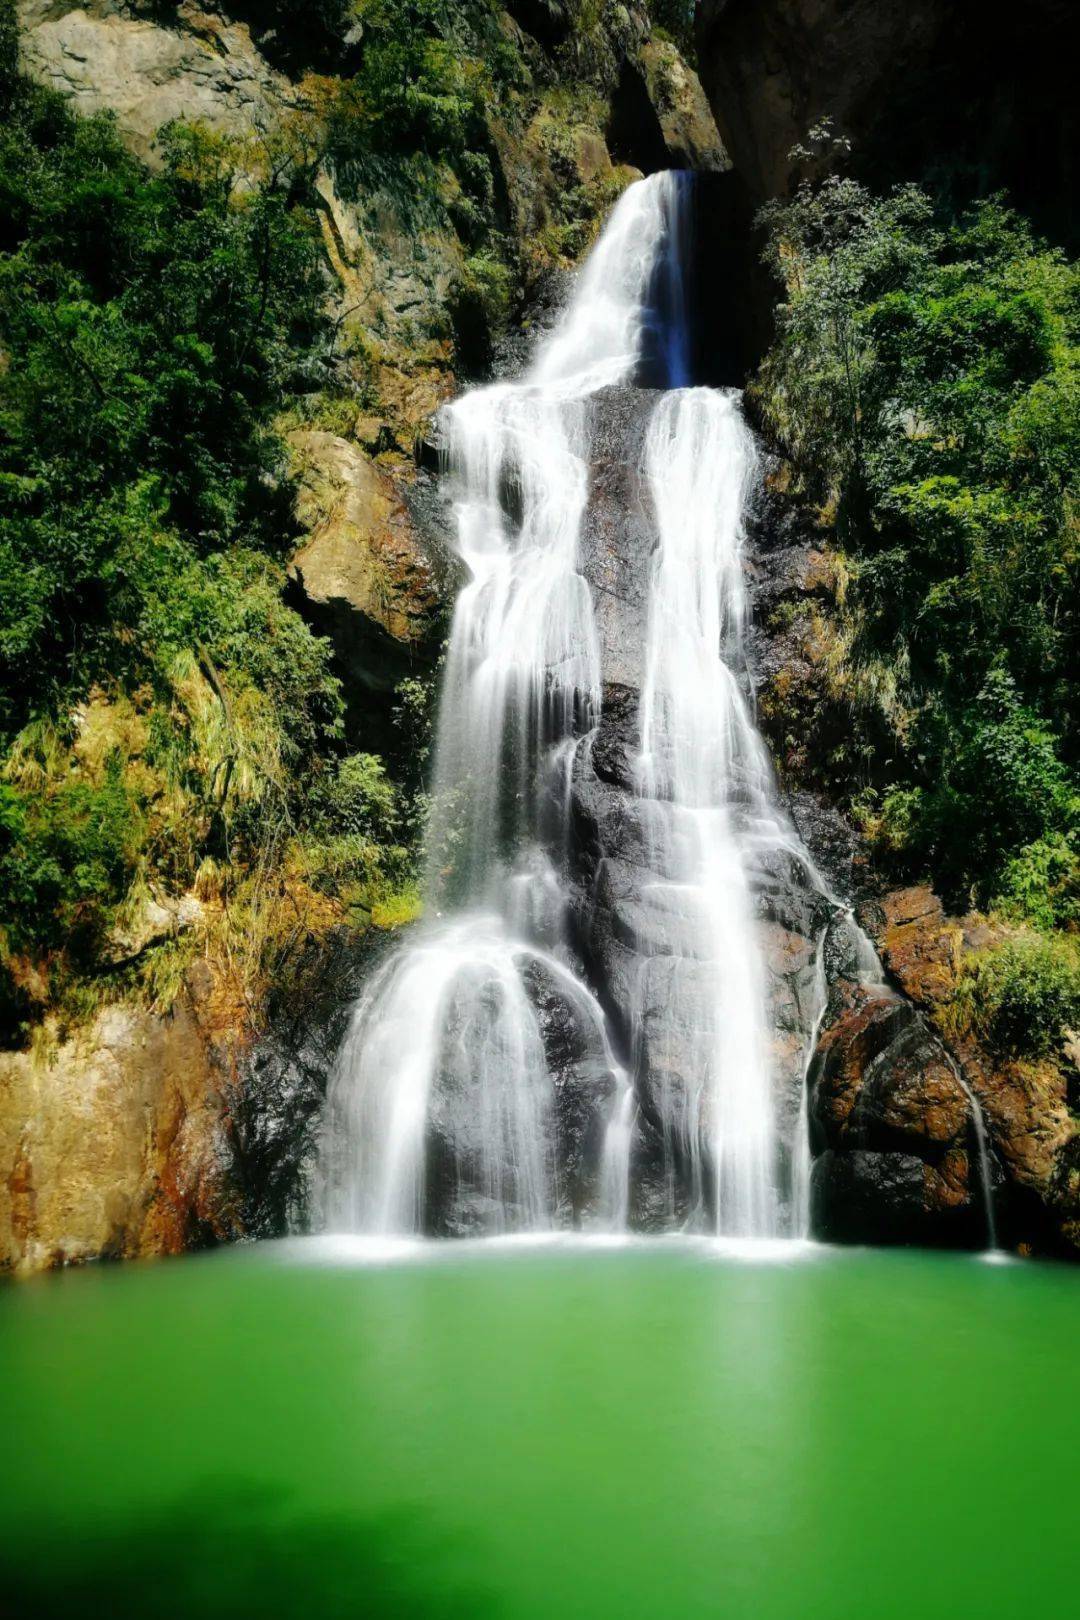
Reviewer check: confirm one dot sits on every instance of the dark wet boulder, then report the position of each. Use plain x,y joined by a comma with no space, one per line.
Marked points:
869,1198
886,1096
276,1104
585,1084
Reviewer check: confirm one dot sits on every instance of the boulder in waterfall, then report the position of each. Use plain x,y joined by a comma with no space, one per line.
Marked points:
885,1097
522,1148
584,1088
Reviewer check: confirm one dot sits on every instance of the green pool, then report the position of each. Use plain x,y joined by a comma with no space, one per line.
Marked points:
662,1430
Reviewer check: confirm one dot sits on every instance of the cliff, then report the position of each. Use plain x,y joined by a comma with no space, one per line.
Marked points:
159,1088
983,95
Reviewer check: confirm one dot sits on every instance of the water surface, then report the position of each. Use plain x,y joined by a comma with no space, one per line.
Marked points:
523,1431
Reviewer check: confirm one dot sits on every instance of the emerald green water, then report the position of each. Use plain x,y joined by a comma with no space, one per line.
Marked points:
652,1431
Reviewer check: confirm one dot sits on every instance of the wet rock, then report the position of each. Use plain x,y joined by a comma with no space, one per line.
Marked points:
885,1096
915,1099
584,1089
469,1194
614,749
862,1024
786,892
792,992
282,1077
869,1198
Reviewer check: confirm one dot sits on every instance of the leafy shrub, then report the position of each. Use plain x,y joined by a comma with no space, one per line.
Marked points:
1041,884
674,19
1025,996
358,799
65,860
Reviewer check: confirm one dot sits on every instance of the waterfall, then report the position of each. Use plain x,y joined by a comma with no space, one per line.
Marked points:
447,1041
705,766
480,1087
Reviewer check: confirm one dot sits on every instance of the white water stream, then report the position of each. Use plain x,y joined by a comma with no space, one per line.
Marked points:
705,765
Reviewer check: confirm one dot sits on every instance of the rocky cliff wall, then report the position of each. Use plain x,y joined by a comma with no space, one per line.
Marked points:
981,94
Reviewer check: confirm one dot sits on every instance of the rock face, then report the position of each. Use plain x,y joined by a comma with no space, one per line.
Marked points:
773,70
892,1127
905,81
115,1144
661,117
364,576
206,68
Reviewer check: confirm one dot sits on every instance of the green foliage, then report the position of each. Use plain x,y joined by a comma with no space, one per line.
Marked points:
358,799
65,860
1042,882
924,383
1025,996
426,70
480,311
164,717
674,19
150,324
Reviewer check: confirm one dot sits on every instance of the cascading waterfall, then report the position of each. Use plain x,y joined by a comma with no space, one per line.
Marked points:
452,1015
446,1109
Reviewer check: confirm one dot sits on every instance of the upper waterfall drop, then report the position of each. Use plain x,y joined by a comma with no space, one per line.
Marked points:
494,1077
